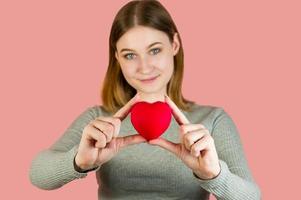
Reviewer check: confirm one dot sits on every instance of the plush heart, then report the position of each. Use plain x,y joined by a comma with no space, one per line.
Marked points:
150,119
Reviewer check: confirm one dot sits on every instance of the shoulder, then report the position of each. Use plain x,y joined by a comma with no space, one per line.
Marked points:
208,115
96,111
204,111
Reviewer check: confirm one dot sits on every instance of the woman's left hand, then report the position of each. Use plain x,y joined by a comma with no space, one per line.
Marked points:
196,148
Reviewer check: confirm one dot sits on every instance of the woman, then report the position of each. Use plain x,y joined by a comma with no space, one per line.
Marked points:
200,152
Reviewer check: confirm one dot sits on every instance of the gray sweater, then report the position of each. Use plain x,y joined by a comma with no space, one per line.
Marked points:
143,171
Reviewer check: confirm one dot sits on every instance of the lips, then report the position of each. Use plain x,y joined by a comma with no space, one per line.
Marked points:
149,79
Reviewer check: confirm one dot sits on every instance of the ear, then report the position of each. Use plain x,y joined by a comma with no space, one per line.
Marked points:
175,44
116,55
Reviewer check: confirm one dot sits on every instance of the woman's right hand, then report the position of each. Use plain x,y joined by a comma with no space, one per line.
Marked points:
99,142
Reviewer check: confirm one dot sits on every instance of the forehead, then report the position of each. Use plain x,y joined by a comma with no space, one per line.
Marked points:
140,36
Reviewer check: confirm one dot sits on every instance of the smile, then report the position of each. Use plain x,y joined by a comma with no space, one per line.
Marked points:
150,80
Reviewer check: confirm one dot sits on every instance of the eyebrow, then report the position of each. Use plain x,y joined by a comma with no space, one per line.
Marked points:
149,46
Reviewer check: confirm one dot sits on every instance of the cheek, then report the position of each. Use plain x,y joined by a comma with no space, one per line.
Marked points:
165,64
127,70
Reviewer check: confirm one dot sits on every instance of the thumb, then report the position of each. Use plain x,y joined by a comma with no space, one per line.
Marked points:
130,140
170,146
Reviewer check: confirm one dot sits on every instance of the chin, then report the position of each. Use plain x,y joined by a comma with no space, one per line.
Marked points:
155,87
148,90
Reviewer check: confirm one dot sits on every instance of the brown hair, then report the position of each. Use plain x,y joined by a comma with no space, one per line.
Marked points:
116,92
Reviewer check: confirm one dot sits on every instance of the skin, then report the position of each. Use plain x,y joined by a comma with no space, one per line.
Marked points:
100,141
141,62
196,148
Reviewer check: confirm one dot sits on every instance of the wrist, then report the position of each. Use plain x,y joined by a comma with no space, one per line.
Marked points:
208,176
80,168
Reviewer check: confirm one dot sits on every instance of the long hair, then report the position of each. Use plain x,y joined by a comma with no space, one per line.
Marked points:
116,91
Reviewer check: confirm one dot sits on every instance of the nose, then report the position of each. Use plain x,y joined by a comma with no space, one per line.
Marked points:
145,66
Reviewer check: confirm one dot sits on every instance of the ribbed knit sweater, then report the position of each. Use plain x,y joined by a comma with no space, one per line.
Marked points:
144,171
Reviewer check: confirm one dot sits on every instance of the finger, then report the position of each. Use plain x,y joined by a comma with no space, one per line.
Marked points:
107,128
191,127
123,112
96,137
201,145
186,128
130,140
115,122
170,146
192,137
176,112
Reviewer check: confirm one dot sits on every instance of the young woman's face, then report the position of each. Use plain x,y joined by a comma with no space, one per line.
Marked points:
146,58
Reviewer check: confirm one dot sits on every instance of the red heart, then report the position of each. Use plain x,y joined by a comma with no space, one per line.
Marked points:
150,119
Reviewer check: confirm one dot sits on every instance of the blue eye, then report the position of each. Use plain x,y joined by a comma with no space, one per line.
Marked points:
128,56
156,51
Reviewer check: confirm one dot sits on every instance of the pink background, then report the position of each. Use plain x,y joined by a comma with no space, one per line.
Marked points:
241,55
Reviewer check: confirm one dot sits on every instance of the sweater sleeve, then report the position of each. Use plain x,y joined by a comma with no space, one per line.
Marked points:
54,167
235,181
